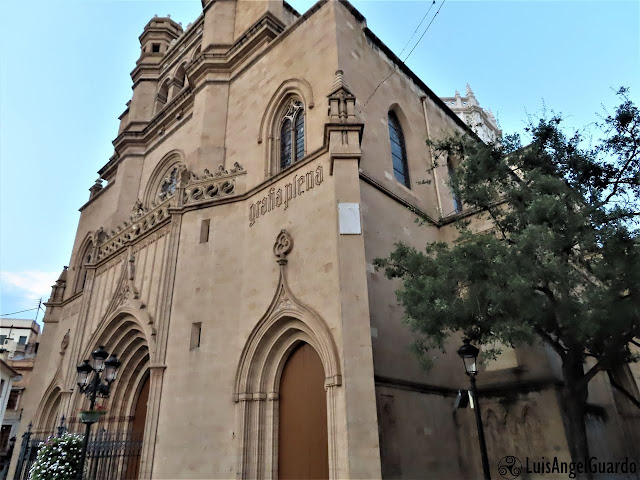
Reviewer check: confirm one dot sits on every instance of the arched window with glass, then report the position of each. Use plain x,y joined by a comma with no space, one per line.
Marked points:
292,134
457,201
398,151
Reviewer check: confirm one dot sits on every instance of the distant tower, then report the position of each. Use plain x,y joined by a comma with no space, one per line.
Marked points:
481,121
155,40
157,36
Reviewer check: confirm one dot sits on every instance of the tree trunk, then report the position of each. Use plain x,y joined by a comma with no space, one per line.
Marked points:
574,404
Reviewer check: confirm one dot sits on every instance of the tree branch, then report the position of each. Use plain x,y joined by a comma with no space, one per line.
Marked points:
616,182
623,390
555,344
593,371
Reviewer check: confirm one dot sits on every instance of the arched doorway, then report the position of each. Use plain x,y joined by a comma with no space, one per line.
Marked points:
49,418
302,432
136,432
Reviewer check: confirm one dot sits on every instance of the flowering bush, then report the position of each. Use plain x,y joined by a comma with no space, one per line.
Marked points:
58,458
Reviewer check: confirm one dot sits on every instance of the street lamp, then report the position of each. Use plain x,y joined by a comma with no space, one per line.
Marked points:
93,385
469,355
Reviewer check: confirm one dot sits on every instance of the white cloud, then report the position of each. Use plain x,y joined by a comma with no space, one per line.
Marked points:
29,285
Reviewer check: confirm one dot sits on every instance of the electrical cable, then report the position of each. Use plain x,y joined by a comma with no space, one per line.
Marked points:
405,59
423,33
414,32
21,311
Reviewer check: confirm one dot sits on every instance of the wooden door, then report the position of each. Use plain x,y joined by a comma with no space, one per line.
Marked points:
302,433
136,434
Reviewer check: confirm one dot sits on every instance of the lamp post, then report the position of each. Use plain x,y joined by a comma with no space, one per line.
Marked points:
469,355
94,380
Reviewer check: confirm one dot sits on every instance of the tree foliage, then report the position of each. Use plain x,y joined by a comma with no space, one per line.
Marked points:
561,261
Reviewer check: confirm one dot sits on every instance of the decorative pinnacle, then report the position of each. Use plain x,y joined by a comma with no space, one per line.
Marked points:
469,91
339,82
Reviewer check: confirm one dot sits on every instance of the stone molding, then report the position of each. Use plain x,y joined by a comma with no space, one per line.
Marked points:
291,86
286,323
192,190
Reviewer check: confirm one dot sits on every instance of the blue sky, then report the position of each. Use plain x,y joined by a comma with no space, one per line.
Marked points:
64,80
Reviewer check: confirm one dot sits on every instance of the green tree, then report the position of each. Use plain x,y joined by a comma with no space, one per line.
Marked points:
560,264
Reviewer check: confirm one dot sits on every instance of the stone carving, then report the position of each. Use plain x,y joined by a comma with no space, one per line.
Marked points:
195,189
210,186
137,209
126,289
142,221
283,302
169,184
65,342
283,245
300,184
58,288
132,267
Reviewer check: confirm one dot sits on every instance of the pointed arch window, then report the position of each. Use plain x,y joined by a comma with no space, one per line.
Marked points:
398,151
457,202
292,134
82,269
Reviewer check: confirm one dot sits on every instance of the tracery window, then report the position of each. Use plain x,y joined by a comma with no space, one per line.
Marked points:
292,134
398,151
169,184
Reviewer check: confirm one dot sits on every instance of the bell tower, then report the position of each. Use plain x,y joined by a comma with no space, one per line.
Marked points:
154,42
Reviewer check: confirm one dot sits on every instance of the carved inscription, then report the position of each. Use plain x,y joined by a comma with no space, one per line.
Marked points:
277,198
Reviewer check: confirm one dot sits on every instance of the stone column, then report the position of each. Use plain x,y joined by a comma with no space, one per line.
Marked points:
361,422
156,377
158,347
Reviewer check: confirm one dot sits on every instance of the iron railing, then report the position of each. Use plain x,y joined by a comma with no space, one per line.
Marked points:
110,456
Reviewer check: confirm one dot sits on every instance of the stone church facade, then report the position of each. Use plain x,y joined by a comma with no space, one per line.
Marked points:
227,261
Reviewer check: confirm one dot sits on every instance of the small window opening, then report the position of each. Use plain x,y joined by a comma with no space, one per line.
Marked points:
196,333
14,396
204,230
155,47
22,340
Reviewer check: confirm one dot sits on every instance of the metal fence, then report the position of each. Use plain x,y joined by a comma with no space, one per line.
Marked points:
110,456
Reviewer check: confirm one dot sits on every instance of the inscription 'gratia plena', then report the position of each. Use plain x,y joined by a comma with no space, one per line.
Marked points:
276,198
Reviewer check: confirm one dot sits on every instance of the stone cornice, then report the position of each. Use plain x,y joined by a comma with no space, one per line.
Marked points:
97,195
495,390
65,301
378,186
176,110
192,35
264,30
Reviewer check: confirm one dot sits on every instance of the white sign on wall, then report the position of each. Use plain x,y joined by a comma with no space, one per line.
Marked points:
349,218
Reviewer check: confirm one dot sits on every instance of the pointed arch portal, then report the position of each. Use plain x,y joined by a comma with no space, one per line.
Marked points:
291,357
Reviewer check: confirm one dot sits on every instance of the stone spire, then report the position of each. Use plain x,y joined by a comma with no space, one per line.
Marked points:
341,101
469,91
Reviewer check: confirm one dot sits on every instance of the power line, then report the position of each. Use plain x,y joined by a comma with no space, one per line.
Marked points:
21,311
414,32
405,58
425,31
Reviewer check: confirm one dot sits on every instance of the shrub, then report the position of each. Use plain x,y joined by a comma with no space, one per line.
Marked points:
58,458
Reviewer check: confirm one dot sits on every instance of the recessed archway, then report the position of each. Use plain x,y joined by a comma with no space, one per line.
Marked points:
124,336
286,325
